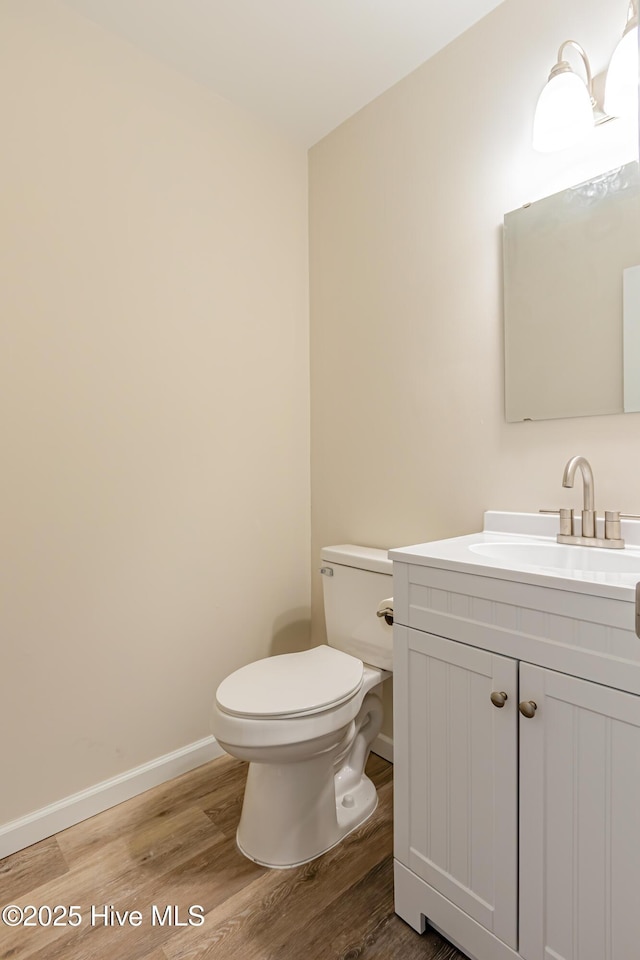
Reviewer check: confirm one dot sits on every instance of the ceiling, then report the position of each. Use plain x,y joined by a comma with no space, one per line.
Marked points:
302,65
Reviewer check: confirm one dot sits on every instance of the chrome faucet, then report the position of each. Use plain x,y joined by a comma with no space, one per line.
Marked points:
589,538
588,508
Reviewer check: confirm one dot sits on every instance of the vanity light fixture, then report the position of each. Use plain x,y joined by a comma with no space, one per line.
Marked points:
621,91
565,111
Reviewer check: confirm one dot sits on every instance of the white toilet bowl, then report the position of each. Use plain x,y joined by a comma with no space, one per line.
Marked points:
305,722
306,786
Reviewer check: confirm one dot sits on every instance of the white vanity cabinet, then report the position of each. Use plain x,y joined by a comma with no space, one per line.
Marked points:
456,775
516,836
579,820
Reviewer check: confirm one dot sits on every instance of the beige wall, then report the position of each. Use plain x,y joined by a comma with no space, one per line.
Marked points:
153,295
154,371
409,439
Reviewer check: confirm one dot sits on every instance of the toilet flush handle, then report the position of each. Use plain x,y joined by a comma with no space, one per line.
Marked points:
386,610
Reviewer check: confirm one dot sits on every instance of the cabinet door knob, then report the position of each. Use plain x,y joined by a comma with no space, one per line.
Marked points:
528,708
499,699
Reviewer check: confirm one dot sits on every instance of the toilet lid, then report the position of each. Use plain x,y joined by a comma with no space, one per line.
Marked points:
291,684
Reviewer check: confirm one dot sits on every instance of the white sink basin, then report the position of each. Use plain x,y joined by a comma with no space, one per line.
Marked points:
523,547
560,557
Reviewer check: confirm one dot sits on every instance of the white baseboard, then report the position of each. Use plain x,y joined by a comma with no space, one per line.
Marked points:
383,746
80,806
43,823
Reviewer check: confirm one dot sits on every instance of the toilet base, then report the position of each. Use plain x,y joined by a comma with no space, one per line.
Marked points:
294,812
362,801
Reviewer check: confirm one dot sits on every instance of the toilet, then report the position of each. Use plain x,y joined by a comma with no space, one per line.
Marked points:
305,721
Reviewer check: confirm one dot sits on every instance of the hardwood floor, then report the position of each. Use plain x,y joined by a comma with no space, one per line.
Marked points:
175,846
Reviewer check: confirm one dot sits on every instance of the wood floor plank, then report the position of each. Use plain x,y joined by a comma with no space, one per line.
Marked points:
224,805
222,921
347,924
114,876
363,925
29,868
75,887
203,876
378,770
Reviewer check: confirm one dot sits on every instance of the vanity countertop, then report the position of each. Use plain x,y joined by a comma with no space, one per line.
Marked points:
522,547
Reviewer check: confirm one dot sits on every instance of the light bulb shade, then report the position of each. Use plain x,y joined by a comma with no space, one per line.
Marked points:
621,91
564,114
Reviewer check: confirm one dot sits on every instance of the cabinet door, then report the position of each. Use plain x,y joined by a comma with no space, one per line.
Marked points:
579,820
455,774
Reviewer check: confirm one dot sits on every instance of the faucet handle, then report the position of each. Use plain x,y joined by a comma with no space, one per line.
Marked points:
612,530
566,521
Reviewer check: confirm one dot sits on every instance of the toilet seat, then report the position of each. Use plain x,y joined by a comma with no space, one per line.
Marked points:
291,685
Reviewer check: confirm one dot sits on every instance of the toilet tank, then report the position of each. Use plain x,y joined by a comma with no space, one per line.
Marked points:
355,582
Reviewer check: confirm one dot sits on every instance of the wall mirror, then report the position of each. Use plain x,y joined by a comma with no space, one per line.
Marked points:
572,301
